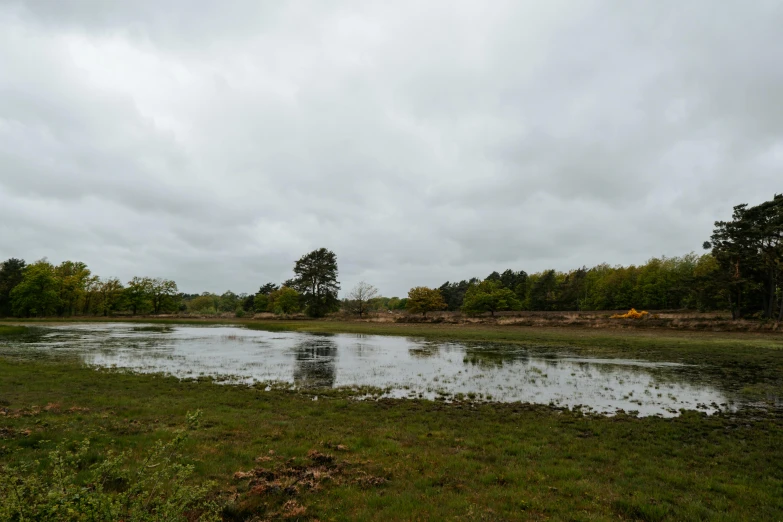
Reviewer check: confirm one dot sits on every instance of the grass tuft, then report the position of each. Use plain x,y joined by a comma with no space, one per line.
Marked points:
8,330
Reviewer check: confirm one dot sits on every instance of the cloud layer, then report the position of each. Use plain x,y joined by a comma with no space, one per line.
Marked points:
216,142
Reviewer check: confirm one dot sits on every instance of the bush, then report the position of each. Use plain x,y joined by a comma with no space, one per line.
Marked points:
631,314
156,490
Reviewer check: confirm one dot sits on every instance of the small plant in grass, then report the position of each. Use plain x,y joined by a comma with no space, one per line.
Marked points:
112,489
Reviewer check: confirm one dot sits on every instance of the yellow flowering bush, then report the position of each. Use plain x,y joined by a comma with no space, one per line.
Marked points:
631,314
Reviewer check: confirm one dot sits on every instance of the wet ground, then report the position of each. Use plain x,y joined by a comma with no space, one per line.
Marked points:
390,366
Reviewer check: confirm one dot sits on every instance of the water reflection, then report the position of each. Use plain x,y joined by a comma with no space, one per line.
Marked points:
403,367
424,350
363,345
154,329
495,356
315,363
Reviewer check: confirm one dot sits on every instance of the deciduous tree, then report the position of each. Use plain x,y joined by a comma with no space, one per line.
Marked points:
162,294
206,303
359,298
110,291
91,295
422,300
248,302
36,295
72,277
285,300
261,300
139,294
229,301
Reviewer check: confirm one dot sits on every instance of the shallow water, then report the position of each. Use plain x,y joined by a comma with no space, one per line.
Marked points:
401,367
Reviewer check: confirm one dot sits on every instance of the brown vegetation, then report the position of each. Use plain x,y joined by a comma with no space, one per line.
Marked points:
687,320
663,319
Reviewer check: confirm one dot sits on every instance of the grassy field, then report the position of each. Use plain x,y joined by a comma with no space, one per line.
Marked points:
336,458
11,330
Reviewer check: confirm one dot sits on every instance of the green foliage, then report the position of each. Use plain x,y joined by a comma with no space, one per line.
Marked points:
284,301
36,295
110,295
70,288
454,293
229,301
422,300
162,295
261,302
708,292
689,281
395,303
749,253
515,281
543,291
157,489
268,288
206,303
138,293
11,274
248,302
316,280
489,296
72,279
378,303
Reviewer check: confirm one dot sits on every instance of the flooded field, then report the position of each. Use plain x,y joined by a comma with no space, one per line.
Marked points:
389,366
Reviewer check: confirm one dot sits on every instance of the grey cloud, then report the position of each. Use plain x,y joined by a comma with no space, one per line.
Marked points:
215,143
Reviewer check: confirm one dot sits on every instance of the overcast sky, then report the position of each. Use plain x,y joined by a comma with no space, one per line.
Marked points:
214,143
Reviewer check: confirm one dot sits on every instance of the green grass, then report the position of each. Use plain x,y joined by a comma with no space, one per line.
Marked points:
406,460
7,330
427,460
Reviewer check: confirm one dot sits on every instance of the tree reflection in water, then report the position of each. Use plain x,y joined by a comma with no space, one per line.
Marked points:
489,355
314,365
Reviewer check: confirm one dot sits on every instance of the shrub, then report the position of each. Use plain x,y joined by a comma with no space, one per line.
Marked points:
156,490
631,314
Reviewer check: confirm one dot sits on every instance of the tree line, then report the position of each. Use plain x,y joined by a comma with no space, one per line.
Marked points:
686,282
741,272
42,289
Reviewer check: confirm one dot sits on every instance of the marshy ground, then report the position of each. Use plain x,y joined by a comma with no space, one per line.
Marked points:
281,454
